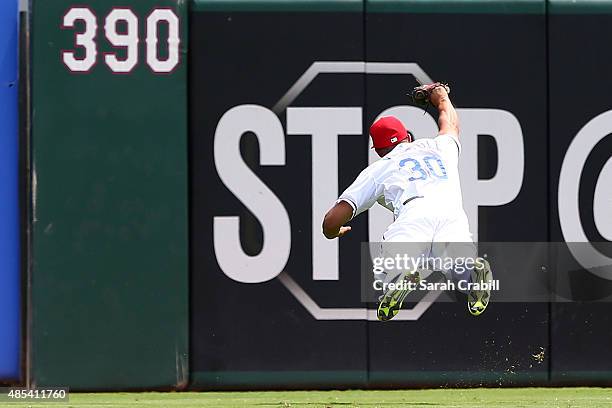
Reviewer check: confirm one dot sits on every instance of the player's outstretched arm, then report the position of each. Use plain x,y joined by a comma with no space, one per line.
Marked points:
448,121
336,217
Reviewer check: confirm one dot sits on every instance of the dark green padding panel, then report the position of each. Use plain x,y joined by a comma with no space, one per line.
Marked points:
457,6
278,5
412,6
580,6
109,297
272,378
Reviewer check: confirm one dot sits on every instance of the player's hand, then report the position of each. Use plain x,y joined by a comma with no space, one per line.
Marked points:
438,95
343,231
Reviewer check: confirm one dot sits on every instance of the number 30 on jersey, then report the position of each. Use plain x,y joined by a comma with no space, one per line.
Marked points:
121,32
433,167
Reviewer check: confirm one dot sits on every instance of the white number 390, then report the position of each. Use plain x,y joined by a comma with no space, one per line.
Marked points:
125,38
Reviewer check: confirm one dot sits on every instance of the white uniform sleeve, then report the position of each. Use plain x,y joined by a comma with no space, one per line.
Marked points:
450,147
363,193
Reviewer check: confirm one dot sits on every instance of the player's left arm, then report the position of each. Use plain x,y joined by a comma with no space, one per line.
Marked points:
336,217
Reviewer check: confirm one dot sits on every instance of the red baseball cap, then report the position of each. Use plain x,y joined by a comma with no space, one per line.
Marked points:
387,131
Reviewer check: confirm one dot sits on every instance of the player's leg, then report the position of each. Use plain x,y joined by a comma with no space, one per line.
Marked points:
479,296
410,241
398,286
453,240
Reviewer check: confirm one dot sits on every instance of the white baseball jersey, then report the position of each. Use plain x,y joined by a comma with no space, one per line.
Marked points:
419,182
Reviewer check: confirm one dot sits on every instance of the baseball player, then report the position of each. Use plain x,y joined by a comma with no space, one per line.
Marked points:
418,180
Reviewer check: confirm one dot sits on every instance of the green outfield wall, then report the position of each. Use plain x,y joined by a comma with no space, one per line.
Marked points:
173,211
109,251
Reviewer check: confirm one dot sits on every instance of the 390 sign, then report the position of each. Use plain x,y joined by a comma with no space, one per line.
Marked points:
126,38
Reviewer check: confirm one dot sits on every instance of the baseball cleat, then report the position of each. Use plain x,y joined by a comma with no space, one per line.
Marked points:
478,300
390,303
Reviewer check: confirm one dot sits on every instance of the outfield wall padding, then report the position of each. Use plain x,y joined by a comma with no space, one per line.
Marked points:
109,201
472,45
580,331
494,53
256,335
286,345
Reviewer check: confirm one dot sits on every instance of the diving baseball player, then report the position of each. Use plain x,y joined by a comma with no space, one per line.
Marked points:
418,180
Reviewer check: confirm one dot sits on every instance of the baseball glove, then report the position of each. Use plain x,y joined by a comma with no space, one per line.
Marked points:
420,94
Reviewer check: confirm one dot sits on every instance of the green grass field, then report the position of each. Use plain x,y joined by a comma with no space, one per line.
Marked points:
482,397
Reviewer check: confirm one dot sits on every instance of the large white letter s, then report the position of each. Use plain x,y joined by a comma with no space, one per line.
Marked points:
253,193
